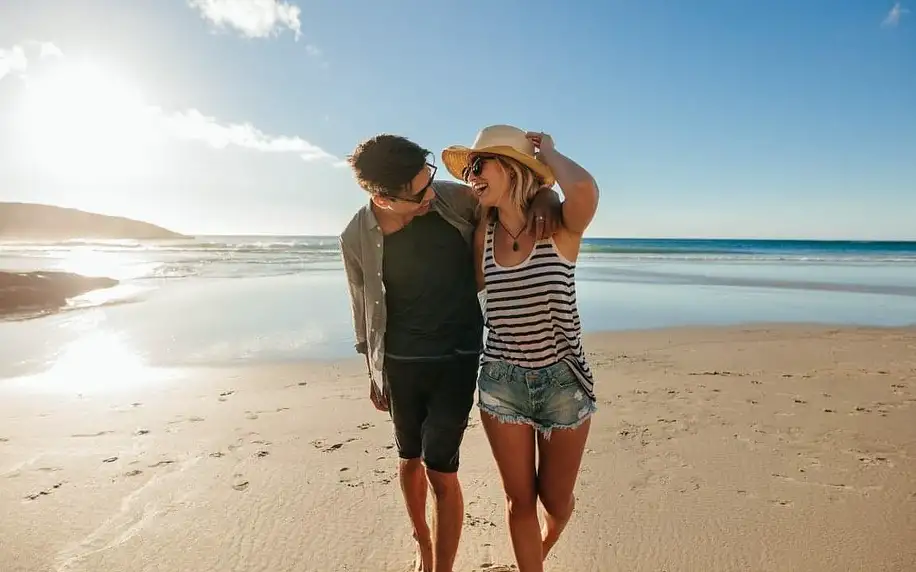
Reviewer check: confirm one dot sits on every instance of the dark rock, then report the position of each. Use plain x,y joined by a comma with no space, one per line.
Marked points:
28,291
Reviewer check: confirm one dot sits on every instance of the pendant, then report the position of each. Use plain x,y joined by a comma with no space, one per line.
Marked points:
515,245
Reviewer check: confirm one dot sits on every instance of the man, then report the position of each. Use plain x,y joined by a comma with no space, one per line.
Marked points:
418,321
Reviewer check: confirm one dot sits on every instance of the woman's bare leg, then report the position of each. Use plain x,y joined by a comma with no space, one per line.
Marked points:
560,457
513,448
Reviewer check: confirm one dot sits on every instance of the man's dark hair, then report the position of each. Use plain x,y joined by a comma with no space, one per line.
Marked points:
386,164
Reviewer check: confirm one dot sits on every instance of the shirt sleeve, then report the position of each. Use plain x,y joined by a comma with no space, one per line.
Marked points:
356,287
459,198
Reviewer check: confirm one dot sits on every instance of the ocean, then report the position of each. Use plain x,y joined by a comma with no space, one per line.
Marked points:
222,300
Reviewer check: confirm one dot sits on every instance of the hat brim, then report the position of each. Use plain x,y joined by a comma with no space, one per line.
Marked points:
457,157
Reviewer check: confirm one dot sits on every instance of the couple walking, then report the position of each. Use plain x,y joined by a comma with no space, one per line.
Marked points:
416,257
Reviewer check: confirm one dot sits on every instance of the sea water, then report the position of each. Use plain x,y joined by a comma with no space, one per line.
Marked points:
218,300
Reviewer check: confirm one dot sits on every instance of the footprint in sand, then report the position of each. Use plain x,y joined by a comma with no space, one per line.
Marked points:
364,426
161,464
240,485
139,432
783,503
319,444
4,440
877,460
44,492
478,521
133,473
110,460
193,419
716,372
490,567
99,434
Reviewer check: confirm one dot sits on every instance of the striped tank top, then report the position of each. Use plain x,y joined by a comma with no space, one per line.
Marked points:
530,309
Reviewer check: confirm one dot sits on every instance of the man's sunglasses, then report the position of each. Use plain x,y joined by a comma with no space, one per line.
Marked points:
417,197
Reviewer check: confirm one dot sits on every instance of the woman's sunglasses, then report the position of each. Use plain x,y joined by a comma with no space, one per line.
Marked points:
476,167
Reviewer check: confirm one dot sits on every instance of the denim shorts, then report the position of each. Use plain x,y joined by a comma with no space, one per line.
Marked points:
546,398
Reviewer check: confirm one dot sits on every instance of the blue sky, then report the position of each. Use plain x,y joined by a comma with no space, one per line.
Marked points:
712,118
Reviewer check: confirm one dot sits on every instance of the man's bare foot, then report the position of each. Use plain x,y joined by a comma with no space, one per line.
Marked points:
424,559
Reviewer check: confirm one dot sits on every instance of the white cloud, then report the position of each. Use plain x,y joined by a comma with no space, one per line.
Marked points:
15,60
195,126
12,60
253,18
49,50
188,125
894,16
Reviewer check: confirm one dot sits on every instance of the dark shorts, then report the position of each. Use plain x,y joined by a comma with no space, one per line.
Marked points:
429,403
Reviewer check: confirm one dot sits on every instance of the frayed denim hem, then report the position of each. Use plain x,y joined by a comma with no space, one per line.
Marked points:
544,430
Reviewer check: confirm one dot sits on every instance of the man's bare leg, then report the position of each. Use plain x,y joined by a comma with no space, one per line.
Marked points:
448,518
413,487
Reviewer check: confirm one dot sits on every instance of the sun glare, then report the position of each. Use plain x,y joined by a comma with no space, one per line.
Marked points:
81,120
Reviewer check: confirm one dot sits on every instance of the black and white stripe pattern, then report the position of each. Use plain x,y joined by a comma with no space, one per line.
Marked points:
531,313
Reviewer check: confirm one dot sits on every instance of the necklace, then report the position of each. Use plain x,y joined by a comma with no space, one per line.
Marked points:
514,236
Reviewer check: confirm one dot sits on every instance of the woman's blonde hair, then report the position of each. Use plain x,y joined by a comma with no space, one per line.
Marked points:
523,183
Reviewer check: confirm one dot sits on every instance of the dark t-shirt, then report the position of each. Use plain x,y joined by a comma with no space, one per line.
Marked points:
430,291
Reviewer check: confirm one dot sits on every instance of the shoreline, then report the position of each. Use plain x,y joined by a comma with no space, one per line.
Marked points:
771,447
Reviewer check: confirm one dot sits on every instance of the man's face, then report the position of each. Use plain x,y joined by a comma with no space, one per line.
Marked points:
414,201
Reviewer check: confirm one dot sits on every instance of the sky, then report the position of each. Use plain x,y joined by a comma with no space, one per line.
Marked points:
708,118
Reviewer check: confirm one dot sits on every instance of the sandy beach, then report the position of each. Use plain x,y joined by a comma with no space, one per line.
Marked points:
757,448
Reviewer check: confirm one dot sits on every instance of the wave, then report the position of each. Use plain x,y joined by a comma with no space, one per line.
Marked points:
254,244
634,276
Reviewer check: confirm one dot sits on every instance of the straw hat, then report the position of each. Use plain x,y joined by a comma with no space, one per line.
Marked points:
502,140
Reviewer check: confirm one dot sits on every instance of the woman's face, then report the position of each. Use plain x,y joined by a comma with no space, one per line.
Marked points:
488,178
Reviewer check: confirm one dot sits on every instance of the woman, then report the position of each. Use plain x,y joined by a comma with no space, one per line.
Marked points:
535,386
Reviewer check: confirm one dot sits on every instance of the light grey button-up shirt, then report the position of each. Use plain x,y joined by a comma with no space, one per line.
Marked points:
362,245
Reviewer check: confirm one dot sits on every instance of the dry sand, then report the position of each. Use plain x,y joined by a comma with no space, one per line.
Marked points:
766,448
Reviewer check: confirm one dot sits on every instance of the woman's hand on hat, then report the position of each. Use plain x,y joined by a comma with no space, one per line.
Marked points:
543,143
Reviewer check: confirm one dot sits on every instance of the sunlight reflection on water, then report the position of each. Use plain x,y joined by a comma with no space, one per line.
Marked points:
98,360
118,265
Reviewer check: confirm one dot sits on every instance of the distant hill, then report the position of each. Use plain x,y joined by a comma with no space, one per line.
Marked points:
29,221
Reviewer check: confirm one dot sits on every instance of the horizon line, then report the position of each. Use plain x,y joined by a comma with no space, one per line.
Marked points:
715,238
